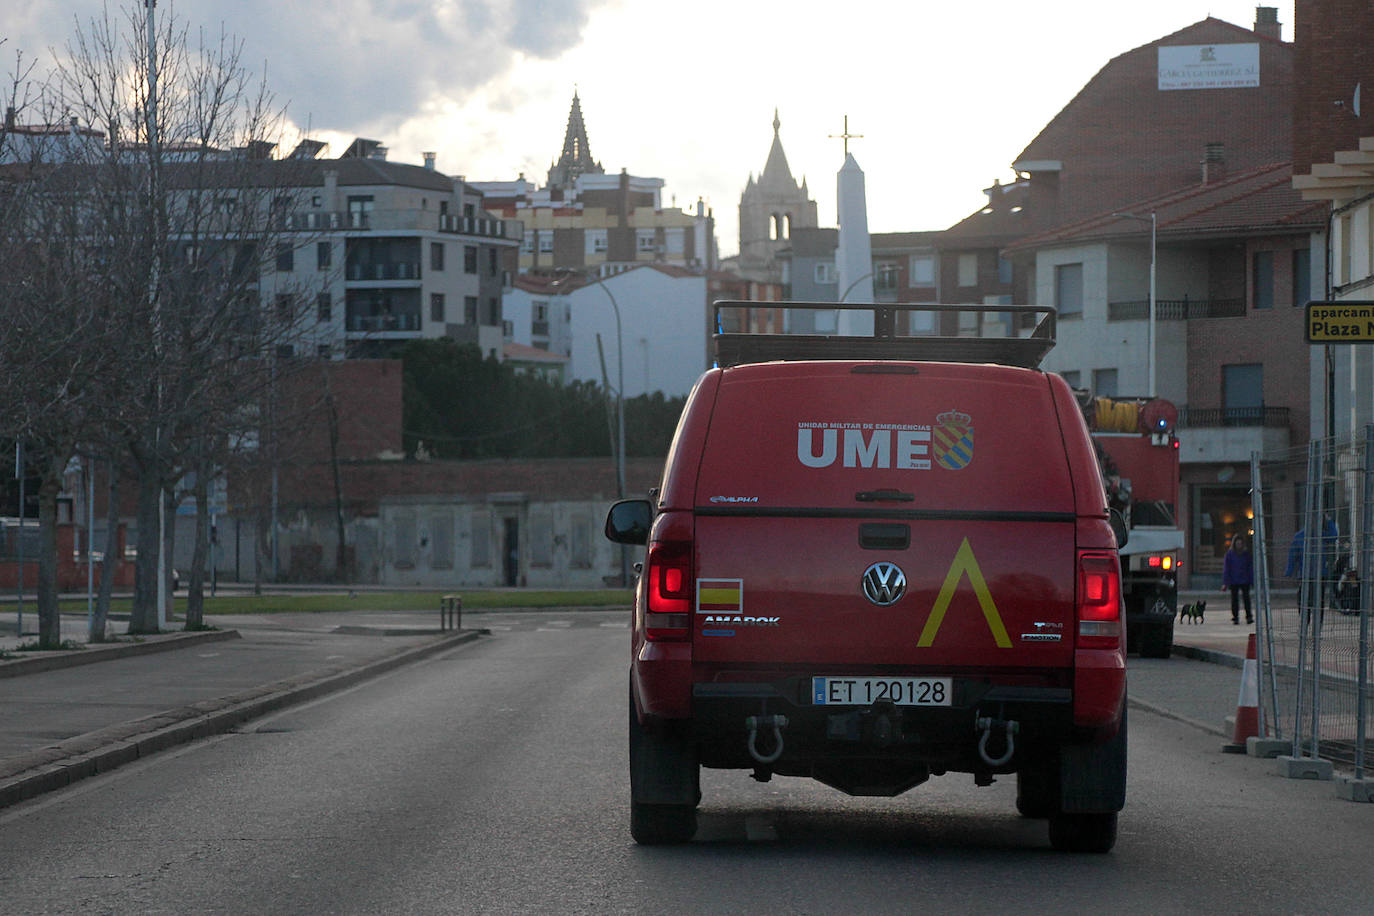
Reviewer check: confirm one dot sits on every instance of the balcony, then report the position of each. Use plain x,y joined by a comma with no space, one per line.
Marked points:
1176,309
384,270
402,220
370,324
1230,434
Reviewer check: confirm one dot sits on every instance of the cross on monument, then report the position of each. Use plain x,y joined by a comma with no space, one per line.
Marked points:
846,136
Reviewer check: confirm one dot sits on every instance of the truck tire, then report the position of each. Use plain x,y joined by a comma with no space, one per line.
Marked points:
1157,641
660,825
1095,833
664,783
1037,789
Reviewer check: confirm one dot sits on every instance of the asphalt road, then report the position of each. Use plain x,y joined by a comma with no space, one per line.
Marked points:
491,779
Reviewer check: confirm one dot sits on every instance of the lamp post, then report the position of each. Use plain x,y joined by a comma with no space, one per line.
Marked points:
1153,221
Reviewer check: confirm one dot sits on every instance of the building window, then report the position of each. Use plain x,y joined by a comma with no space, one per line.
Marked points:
644,241
541,537
539,319
286,258
1263,278
469,259
596,241
546,242
674,241
1302,276
324,255
479,540
469,309
1004,270
1104,383
403,540
436,255
360,211
825,272
968,270
493,261
1242,394
324,307
580,542
1073,377
1068,290
923,270
886,277
286,308
441,541
436,306
493,315
527,243
323,351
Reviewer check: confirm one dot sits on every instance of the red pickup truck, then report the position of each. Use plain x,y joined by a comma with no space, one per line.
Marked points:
870,570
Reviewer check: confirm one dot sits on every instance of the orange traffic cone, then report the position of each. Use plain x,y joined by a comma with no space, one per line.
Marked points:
1247,704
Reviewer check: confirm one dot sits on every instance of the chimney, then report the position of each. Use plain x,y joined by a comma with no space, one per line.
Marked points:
1267,22
1213,162
429,160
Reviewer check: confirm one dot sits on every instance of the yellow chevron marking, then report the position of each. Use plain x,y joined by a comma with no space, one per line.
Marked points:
964,565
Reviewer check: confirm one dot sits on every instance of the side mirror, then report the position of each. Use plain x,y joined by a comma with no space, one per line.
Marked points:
629,520
1118,523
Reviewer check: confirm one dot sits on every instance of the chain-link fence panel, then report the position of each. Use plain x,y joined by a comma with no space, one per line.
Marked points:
1314,543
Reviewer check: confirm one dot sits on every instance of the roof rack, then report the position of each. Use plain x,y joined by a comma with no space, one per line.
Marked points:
881,331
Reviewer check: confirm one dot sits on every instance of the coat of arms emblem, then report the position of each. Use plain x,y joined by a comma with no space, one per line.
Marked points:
951,443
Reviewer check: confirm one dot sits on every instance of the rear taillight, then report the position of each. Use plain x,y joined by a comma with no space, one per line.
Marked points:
1164,562
668,613
1099,601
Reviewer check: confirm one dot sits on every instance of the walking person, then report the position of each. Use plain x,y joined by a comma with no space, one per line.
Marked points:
1237,575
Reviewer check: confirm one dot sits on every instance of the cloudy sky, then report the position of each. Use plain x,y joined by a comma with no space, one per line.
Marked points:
944,94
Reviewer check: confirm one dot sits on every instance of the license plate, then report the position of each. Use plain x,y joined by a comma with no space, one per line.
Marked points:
865,691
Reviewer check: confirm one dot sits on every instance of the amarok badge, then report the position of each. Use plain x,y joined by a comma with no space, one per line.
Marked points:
951,442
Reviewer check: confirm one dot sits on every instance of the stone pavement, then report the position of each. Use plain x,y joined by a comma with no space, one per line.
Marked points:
70,717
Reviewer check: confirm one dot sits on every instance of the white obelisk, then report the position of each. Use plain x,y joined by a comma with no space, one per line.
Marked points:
854,256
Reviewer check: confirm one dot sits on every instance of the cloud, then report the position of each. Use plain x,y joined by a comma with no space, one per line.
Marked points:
357,64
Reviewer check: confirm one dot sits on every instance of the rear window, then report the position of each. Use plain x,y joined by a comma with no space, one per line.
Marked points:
955,437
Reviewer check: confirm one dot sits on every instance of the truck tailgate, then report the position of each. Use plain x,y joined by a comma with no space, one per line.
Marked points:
789,590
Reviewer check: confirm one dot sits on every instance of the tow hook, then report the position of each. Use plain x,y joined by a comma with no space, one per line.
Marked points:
986,725
754,723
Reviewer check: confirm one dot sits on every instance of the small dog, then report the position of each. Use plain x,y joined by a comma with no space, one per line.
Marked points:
1192,613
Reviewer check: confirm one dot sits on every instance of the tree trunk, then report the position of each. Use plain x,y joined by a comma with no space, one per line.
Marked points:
49,616
169,529
143,617
195,587
111,560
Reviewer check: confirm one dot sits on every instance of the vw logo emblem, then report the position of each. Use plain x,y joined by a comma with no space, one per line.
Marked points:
884,583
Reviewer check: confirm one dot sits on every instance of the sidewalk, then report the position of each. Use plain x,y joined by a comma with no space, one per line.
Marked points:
87,711
68,715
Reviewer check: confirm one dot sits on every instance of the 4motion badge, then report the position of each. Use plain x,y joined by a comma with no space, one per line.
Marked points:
884,583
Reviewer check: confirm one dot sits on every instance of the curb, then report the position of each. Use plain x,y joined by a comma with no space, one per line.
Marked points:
1177,717
97,652
104,750
1215,656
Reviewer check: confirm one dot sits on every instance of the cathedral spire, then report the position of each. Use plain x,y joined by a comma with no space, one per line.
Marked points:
576,158
775,172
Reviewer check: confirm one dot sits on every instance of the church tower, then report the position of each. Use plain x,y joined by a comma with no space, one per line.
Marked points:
769,209
576,158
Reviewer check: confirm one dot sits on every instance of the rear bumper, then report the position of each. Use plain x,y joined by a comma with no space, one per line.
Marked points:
942,737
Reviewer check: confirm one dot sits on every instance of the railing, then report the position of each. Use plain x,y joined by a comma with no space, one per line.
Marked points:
483,226
402,322
388,270
539,328
1175,309
1214,417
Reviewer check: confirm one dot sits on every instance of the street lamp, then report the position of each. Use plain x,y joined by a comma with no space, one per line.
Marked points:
1152,220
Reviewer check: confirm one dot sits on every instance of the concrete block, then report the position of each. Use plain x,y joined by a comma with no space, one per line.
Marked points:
1352,789
1304,768
1267,747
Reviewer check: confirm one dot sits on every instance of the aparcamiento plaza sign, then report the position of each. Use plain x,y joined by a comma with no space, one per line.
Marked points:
1348,321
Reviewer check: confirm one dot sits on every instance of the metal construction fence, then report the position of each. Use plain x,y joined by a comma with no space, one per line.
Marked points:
1314,547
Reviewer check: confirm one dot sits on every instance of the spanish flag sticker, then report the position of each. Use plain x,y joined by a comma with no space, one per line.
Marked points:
715,596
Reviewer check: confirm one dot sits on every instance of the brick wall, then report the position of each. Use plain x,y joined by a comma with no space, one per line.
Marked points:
1334,54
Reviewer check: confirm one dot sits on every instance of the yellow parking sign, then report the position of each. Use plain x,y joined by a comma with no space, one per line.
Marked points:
1341,321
